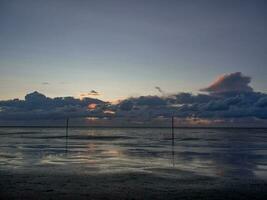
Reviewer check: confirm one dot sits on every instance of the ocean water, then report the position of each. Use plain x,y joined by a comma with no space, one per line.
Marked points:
232,153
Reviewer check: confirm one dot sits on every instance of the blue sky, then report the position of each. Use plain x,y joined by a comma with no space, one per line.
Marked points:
126,48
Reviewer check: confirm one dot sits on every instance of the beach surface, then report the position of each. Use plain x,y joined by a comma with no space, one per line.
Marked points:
41,163
131,185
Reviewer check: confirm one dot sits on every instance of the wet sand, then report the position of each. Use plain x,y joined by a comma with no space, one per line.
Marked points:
126,185
39,163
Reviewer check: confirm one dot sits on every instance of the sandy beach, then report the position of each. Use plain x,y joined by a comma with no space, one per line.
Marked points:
128,185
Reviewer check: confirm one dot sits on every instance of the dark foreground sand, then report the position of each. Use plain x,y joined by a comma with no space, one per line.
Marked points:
126,185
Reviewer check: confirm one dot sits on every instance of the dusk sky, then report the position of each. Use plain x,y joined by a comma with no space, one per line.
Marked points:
203,62
123,48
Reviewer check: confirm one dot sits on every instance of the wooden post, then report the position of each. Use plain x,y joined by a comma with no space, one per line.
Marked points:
173,141
67,127
172,130
67,134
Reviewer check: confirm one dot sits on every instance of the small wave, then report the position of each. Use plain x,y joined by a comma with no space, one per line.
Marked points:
189,139
7,156
80,137
18,133
197,139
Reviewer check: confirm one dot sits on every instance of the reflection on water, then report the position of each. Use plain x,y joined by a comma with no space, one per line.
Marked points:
234,153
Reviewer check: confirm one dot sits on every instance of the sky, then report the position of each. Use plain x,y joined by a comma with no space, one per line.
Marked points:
123,48
122,62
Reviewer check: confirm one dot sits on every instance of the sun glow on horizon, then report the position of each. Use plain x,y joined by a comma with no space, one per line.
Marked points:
92,106
109,112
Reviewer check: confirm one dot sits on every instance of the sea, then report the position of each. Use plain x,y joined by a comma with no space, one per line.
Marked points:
215,152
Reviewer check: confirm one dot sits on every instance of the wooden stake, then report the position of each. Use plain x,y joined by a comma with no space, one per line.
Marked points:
67,134
172,141
67,127
172,129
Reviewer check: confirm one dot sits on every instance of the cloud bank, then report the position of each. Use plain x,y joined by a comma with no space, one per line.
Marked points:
229,98
38,106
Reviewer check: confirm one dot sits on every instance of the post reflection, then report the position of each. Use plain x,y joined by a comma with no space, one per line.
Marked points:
227,153
173,163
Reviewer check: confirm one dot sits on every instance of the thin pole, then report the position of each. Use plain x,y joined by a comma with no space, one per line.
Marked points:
67,127
172,141
172,129
173,154
67,133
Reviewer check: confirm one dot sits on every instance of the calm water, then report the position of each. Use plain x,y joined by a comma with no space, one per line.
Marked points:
233,153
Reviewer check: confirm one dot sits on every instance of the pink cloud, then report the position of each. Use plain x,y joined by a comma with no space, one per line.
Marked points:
233,82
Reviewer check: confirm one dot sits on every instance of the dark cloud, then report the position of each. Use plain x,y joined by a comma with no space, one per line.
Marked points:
229,83
36,97
126,105
159,89
93,92
188,98
236,101
182,105
215,106
38,106
230,96
262,102
45,83
149,101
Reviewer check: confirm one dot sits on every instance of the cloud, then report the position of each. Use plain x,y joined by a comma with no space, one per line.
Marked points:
93,93
188,98
242,103
150,101
35,97
88,94
230,96
45,83
262,102
159,89
126,105
38,106
229,83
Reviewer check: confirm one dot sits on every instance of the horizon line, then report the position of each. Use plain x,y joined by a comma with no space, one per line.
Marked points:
152,127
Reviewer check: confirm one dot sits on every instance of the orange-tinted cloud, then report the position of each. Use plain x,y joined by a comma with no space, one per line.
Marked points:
92,106
233,82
